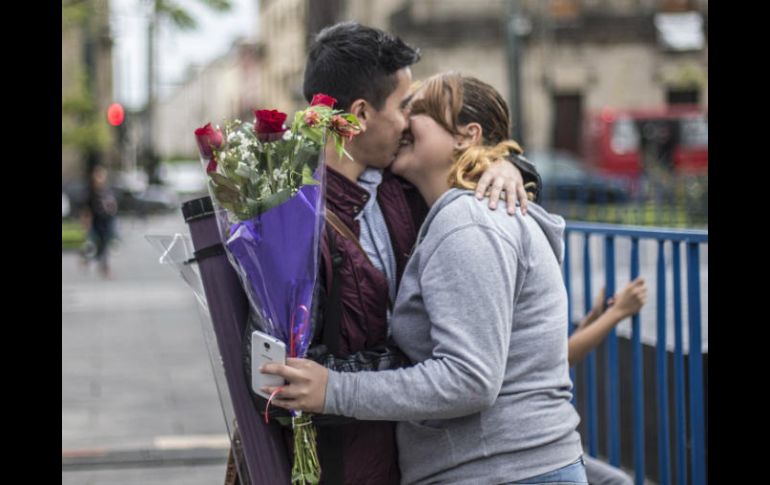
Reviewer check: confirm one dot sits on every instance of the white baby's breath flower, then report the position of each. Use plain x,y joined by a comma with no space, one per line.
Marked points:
264,191
245,154
280,177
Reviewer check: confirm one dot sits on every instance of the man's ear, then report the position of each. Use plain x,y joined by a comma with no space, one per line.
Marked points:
362,110
470,135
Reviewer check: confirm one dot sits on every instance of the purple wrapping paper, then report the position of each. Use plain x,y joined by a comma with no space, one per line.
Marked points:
263,445
278,252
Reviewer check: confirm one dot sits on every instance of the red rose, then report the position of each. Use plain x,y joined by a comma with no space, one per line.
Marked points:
323,99
208,138
269,124
212,166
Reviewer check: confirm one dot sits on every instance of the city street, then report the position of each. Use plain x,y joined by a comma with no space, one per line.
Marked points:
137,387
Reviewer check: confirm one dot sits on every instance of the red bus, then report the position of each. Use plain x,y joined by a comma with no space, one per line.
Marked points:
627,142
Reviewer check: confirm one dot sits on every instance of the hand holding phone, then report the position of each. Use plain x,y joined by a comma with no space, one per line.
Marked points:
265,349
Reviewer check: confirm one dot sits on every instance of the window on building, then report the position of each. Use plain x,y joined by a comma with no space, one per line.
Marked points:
683,96
567,121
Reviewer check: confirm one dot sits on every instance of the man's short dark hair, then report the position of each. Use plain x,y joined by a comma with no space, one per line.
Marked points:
350,61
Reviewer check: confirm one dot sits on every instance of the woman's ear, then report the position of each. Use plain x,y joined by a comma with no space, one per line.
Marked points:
361,109
470,135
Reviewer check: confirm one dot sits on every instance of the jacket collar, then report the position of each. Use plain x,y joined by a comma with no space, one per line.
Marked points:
343,195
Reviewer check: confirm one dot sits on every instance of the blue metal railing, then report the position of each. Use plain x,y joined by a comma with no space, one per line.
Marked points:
662,381
693,469
637,375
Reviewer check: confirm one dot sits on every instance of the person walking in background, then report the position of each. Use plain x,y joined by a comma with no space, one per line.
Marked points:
98,220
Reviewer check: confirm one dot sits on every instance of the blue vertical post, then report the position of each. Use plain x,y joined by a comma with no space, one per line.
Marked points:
570,328
593,415
663,436
697,453
638,377
612,378
680,426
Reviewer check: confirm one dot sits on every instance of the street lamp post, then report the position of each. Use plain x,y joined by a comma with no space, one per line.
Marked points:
513,30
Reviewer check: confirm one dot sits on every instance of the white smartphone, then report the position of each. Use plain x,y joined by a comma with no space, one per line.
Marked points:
265,349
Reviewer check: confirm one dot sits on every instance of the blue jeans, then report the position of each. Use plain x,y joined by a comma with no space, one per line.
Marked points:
574,474
602,473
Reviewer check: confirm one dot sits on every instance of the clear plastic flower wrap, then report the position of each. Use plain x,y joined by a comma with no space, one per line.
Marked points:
267,186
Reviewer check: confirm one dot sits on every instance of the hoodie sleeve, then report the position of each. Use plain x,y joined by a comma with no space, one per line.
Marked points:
468,285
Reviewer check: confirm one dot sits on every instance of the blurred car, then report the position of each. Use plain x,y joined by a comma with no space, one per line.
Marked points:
186,178
76,193
566,178
153,199
131,200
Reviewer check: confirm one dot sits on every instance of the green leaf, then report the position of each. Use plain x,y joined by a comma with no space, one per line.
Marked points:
226,194
228,162
352,119
312,477
243,170
324,110
314,134
277,199
304,156
283,150
346,153
256,206
339,147
295,179
223,181
298,121
307,177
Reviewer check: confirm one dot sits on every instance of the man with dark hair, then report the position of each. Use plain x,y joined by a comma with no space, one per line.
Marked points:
372,221
349,61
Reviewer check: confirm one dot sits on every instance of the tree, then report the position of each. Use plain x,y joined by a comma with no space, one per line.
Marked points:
83,126
180,19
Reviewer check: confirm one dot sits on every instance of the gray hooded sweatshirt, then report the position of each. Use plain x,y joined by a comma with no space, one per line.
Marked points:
482,312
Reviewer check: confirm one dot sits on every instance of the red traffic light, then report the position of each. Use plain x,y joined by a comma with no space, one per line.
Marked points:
115,114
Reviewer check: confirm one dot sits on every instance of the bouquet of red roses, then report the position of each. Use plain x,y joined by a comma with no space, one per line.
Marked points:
269,180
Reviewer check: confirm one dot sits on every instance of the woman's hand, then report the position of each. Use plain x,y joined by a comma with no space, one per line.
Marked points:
306,388
503,175
631,299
